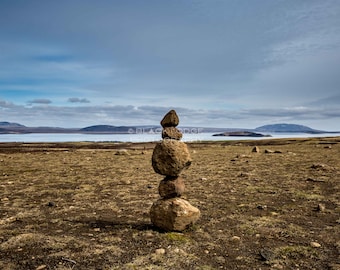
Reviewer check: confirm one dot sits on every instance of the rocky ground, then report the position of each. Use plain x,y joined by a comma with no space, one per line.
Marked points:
86,206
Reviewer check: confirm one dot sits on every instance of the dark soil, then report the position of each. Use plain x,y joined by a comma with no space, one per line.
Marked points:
86,206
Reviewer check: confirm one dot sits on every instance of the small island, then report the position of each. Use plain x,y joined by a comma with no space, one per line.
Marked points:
241,134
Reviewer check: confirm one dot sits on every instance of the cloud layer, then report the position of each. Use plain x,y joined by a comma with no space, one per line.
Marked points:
225,63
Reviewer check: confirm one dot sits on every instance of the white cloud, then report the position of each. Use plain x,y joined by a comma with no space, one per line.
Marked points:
81,116
217,62
39,101
78,100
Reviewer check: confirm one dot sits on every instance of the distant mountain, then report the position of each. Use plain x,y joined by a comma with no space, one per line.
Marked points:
106,129
288,128
241,134
15,128
9,124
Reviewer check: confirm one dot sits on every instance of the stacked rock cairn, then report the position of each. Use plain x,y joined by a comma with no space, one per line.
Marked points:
169,158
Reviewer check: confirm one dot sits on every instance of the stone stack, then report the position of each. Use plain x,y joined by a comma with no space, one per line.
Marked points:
170,157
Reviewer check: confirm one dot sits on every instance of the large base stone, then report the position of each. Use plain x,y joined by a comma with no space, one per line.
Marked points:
173,214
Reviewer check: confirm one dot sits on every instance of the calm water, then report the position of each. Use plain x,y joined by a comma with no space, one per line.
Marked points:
141,137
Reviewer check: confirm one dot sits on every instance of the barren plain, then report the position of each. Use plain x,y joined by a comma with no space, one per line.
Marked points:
86,206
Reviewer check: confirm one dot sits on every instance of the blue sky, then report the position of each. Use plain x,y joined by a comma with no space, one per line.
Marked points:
231,63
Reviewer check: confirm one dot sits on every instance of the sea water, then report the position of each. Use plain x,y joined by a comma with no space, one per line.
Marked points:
142,137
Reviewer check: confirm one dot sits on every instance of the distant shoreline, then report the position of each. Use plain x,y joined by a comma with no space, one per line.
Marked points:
138,138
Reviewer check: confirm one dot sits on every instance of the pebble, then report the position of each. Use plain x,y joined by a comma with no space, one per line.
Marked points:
125,182
315,244
160,251
51,204
256,149
321,207
277,266
266,254
262,207
235,238
178,250
43,266
220,259
149,235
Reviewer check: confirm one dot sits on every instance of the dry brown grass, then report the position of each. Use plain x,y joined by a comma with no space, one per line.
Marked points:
86,206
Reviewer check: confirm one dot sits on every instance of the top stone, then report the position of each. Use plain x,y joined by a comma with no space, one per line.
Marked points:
170,119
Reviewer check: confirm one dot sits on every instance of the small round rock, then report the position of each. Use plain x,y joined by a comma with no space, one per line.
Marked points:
160,251
235,239
315,244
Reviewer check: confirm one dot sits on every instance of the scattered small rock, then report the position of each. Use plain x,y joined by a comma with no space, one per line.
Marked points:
235,239
51,204
266,254
268,151
125,182
149,235
277,266
314,180
41,267
262,207
256,149
321,207
244,174
160,251
320,166
220,259
315,244
122,152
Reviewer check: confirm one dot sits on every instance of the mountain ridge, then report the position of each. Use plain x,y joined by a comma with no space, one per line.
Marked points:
15,128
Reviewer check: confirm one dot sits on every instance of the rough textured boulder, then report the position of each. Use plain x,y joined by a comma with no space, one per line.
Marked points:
173,214
170,157
170,119
171,133
171,186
